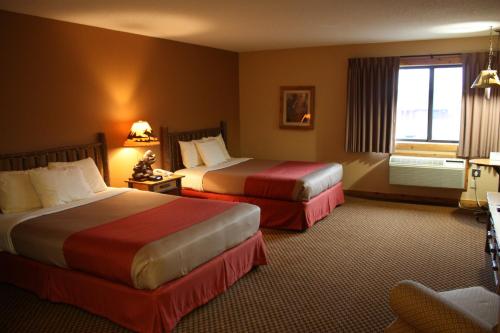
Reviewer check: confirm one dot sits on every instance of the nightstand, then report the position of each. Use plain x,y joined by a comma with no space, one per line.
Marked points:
169,185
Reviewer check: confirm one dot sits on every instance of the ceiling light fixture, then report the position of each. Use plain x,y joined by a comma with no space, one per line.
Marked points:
488,78
466,27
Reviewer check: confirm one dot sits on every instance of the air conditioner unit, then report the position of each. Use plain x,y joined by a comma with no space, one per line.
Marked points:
427,171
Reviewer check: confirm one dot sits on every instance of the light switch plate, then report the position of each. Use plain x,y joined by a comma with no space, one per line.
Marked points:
495,156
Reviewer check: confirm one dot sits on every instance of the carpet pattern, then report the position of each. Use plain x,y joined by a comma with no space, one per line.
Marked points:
335,277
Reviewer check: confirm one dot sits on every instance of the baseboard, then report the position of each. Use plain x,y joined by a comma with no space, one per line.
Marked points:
473,203
404,198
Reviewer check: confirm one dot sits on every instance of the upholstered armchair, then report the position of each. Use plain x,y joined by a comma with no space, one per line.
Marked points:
420,309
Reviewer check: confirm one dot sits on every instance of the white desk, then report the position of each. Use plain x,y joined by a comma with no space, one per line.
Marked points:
488,163
493,234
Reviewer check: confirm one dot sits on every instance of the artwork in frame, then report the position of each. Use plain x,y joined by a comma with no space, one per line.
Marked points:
297,107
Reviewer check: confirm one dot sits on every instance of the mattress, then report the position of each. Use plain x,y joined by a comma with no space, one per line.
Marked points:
282,180
137,238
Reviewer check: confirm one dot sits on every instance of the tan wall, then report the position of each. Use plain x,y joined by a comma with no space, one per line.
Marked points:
261,75
61,83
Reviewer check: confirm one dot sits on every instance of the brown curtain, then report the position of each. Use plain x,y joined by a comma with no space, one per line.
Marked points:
372,89
480,124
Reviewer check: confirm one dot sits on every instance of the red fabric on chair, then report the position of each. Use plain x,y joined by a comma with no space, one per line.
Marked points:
281,214
156,310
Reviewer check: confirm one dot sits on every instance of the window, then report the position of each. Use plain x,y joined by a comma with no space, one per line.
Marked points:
429,103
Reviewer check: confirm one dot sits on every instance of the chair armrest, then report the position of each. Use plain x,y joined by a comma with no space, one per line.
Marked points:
427,311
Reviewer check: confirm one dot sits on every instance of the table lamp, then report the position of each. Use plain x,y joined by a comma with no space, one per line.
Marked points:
141,135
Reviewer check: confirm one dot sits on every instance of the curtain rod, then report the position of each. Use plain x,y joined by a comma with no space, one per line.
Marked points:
432,55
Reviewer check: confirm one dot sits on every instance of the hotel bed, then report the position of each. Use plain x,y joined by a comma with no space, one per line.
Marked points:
141,259
291,194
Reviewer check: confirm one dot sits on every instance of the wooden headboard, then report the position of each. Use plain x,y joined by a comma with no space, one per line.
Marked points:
170,149
29,160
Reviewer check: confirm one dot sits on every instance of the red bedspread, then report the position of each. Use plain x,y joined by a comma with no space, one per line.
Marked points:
279,181
116,243
145,311
141,239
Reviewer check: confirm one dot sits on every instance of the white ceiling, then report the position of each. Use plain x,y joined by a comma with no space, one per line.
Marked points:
249,25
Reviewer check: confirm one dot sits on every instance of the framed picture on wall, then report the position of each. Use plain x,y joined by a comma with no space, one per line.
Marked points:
297,107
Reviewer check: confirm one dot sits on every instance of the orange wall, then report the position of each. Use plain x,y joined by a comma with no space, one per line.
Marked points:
261,75
61,83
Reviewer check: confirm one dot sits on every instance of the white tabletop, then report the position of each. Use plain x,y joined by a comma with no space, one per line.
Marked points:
494,205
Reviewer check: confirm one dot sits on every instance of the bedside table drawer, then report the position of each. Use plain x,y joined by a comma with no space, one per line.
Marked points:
164,187
169,185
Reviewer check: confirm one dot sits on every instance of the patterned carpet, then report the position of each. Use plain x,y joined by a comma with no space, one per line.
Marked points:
333,278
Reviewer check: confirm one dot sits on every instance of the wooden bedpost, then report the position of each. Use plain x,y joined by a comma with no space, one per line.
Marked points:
223,130
165,149
101,138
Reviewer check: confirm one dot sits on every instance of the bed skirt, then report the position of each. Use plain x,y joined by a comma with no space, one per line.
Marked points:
156,310
280,214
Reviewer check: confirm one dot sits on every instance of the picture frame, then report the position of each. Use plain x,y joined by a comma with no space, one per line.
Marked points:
297,107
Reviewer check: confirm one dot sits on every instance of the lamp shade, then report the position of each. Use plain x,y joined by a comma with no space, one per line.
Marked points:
488,78
141,135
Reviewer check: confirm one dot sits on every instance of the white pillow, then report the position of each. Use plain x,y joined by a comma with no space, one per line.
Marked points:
17,194
211,152
89,170
190,156
60,185
222,144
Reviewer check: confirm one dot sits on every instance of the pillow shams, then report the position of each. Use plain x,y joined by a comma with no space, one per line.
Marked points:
211,152
189,154
89,170
17,194
222,144
60,185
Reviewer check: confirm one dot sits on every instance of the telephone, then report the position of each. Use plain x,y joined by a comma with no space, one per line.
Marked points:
161,172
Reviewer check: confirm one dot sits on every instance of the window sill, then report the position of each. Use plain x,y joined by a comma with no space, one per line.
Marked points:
426,149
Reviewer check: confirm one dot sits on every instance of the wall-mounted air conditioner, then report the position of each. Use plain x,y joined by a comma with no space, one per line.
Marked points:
427,171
